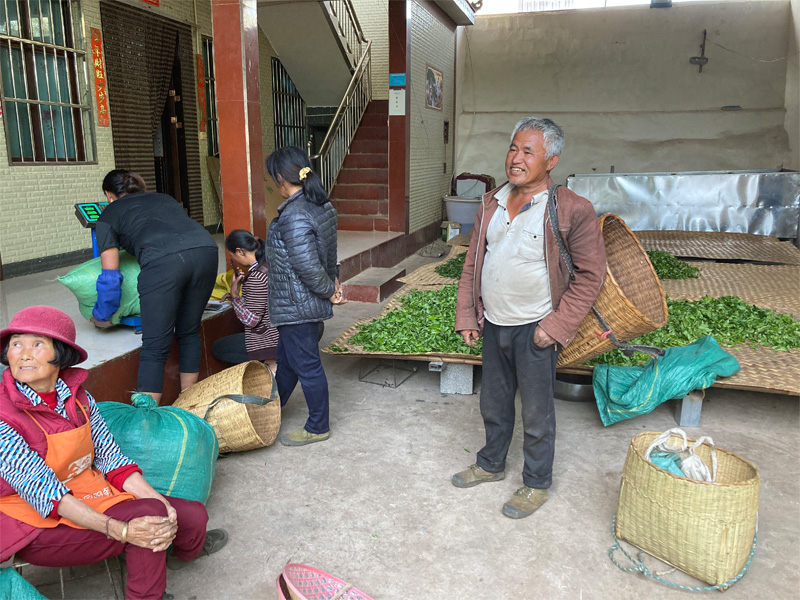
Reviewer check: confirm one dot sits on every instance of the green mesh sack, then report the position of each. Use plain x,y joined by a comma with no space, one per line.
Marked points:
14,587
82,281
176,450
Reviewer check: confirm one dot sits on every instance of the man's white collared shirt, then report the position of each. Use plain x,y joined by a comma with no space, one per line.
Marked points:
514,283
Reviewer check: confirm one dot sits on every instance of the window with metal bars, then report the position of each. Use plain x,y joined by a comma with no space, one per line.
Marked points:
43,87
211,97
288,109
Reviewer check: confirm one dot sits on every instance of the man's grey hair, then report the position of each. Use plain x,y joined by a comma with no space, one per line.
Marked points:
552,134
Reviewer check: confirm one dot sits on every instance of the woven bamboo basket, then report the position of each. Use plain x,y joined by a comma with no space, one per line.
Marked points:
631,300
239,426
703,529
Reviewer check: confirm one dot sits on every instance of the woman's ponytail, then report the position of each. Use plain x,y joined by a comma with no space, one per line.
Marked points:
290,164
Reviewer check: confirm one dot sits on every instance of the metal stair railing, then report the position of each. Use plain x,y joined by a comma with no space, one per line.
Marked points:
343,18
345,122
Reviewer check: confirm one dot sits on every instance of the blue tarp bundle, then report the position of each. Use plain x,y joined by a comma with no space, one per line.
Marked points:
625,392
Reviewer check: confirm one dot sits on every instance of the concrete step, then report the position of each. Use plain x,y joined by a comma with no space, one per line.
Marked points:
374,284
363,223
375,120
367,132
360,191
367,161
361,208
369,147
378,107
368,176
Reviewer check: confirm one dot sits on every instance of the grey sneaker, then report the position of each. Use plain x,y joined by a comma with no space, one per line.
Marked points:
214,542
475,475
525,501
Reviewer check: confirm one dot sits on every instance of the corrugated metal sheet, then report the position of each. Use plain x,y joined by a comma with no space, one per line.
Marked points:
759,202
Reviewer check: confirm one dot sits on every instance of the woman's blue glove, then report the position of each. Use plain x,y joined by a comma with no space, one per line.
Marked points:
109,294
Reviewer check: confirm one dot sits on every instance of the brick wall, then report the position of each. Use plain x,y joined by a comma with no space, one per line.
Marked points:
36,202
374,18
432,43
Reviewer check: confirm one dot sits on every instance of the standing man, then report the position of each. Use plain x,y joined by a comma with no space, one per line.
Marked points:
517,290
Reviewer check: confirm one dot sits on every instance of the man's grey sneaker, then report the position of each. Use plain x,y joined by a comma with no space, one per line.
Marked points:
475,475
525,501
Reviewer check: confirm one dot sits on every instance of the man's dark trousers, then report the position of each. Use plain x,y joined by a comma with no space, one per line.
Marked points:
511,360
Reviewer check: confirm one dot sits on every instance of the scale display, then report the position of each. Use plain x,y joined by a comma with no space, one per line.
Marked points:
89,212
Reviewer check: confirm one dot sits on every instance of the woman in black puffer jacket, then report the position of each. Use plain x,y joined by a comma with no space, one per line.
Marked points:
303,285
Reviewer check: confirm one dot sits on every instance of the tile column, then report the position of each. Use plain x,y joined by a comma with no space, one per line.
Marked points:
239,112
398,124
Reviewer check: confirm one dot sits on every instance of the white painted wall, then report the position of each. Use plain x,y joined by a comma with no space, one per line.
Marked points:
792,101
619,82
430,164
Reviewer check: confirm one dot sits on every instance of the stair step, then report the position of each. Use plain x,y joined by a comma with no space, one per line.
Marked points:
374,284
363,223
378,107
360,191
367,161
368,176
361,208
369,147
368,132
375,120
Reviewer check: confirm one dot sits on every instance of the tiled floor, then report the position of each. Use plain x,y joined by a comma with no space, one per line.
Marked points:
44,288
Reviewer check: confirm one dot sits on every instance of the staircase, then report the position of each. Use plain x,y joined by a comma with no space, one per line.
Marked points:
361,193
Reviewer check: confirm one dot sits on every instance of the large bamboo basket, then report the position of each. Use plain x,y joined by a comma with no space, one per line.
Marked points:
631,300
239,426
703,529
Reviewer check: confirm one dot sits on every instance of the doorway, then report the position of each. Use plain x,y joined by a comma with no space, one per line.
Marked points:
169,143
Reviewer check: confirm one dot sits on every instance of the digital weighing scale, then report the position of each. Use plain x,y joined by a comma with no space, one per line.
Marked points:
88,213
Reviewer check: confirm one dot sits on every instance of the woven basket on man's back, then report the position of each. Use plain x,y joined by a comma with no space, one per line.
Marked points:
703,529
239,423
631,300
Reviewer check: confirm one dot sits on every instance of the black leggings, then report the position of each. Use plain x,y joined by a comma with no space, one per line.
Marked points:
230,349
173,292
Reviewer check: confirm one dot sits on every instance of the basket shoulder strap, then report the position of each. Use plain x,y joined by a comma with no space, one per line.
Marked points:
552,213
245,399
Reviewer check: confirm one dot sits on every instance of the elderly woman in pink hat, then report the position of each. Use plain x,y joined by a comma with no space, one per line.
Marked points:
68,496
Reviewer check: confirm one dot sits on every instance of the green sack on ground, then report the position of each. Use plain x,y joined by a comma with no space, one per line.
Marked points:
14,587
625,392
176,450
82,281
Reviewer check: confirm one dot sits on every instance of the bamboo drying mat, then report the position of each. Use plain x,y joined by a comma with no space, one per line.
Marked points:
426,275
766,286
763,370
721,246
343,341
461,239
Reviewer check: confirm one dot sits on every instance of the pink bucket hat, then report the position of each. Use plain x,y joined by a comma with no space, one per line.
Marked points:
46,321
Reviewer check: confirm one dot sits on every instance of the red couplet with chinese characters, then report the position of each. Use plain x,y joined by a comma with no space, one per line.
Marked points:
100,89
201,92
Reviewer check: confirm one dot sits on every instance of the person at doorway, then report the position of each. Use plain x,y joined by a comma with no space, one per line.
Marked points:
516,291
260,339
178,260
303,285
68,495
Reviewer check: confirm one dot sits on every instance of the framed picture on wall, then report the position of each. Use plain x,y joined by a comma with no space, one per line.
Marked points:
433,88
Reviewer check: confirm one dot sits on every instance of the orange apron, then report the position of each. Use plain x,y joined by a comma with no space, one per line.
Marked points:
70,454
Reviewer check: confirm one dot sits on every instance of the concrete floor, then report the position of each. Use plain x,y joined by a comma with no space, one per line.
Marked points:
374,505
